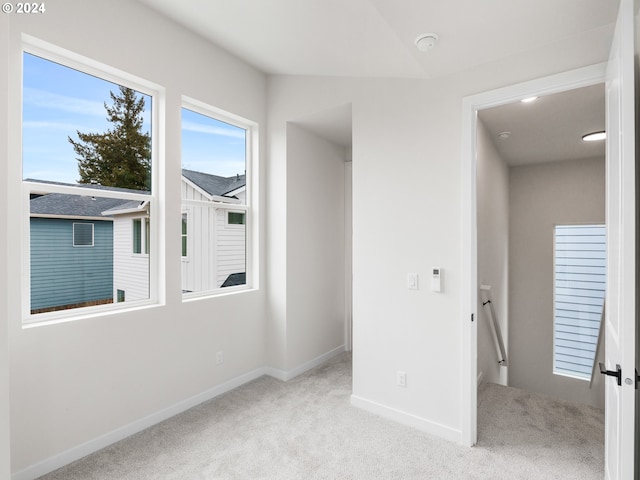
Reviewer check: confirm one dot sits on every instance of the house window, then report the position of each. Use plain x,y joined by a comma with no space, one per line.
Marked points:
184,235
89,180
216,171
579,291
235,218
83,234
120,296
140,235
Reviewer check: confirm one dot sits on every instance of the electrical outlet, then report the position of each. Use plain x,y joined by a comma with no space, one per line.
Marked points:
401,378
219,358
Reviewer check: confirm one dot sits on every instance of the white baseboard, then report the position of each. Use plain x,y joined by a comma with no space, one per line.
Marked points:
285,376
84,449
103,441
408,419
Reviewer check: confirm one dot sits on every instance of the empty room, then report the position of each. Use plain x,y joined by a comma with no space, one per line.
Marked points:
240,237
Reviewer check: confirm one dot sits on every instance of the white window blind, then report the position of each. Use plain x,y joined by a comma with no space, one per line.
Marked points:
580,283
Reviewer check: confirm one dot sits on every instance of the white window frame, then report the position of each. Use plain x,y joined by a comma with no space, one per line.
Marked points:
74,235
92,67
250,207
561,372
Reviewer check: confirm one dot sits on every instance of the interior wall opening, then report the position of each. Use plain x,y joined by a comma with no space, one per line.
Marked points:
535,175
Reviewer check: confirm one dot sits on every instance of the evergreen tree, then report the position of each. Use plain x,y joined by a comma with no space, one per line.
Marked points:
120,157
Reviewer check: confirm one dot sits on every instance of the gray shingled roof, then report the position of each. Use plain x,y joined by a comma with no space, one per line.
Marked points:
87,206
73,205
213,184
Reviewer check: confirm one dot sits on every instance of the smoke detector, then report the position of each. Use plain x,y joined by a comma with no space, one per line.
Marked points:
426,41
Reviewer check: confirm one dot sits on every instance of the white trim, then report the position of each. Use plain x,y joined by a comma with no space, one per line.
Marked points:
75,453
86,448
470,105
197,188
285,376
71,217
408,419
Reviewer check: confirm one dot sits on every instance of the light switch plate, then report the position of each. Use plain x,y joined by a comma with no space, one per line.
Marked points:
412,281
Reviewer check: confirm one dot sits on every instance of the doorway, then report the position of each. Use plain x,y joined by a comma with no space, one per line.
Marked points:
540,186
471,106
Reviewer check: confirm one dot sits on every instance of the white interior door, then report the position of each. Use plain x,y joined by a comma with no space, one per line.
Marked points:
620,304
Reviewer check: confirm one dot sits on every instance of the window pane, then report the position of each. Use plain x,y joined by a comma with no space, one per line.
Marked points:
184,234
83,234
80,130
147,234
580,284
137,235
64,276
213,182
70,136
236,218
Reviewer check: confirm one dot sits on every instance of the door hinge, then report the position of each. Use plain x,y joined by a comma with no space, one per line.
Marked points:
611,373
472,317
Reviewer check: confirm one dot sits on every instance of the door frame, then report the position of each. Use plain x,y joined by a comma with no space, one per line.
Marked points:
570,80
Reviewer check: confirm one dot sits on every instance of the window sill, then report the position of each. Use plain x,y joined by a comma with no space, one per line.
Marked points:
64,316
221,292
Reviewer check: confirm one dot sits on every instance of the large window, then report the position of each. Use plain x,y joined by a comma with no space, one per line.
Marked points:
88,164
216,163
580,284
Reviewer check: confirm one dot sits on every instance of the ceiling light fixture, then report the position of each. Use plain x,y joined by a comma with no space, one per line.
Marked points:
426,41
504,135
594,136
529,100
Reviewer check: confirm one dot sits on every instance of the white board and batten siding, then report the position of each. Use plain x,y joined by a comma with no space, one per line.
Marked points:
214,249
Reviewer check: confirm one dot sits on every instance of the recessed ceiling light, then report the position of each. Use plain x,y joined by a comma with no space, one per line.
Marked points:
595,136
529,100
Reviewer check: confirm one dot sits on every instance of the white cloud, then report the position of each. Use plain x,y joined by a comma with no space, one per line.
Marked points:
43,99
211,130
51,125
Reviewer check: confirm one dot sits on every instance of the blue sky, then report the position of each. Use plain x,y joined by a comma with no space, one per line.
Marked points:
58,101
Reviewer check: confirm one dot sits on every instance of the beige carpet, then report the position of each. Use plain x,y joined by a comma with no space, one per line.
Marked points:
307,429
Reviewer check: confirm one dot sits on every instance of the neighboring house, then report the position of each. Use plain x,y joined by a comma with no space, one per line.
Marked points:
213,237
213,233
71,251
131,246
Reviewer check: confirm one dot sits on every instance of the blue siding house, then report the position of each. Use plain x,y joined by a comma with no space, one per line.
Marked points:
71,251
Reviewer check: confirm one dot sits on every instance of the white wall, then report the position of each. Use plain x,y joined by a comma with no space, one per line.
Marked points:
541,196
407,171
75,381
5,463
315,246
493,253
